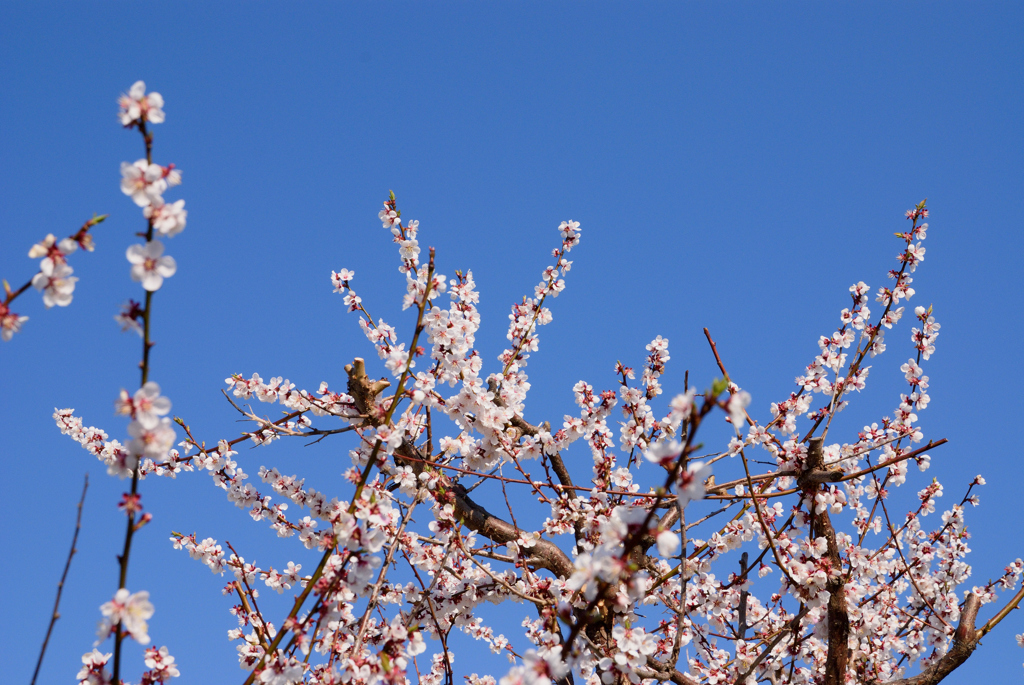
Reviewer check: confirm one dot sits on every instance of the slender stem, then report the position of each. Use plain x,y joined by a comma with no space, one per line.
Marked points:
371,604
63,577
147,138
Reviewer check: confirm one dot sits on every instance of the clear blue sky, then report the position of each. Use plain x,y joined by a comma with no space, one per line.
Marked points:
733,165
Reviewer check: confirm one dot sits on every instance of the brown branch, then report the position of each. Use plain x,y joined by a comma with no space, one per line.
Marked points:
965,640
63,577
741,620
764,526
1010,606
714,350
543,554
249,614
658,671
838,617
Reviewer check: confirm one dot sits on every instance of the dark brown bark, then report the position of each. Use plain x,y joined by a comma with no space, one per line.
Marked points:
821,526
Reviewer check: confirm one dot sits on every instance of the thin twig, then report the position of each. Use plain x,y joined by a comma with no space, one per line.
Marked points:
63,577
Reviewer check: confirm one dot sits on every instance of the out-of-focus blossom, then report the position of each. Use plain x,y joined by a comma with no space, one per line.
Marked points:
690,485
148,266
131,611
146,406
52,251
168,219
143,182
10,323
93,669
128,319
56,283
152,442
136,105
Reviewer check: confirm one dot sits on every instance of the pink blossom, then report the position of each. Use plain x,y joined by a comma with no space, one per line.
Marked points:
93,669
51,251
161,666
143,182
129,610
690,485
56,283
148,266
168,219
10,323
137,106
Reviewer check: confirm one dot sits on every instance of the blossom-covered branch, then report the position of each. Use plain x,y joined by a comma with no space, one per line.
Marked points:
53,280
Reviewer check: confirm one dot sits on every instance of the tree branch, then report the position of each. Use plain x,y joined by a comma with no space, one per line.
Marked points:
965,640
63,577
838,618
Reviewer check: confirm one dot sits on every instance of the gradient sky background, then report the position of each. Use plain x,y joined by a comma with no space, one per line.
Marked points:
732,166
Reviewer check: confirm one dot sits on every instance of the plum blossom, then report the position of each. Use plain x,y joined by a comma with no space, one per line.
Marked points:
738,403
668,543
128,319
56,283
690,484
161,666
143,182
537,669
665,453
146,406
137,106
131,611
168,219
93,669
148,266
389,217
282,670
10,323
341,279
51,251
152,442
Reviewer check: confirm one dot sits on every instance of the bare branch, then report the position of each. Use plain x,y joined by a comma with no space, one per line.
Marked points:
60,586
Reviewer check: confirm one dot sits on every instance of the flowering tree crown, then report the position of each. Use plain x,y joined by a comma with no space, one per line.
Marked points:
798,573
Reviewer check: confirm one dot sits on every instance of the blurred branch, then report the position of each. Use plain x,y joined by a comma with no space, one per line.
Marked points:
63,577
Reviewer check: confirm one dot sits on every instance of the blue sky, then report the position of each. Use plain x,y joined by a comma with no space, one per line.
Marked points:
733,165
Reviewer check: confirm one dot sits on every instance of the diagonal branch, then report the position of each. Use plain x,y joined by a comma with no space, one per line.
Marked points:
965,640
63,577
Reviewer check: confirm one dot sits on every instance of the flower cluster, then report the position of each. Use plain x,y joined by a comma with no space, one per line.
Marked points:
146,183
53,280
